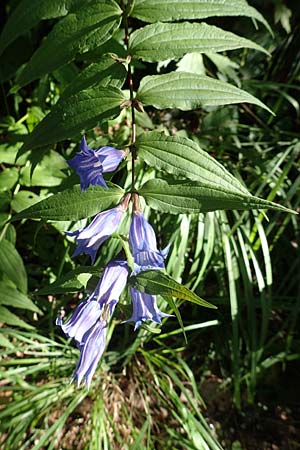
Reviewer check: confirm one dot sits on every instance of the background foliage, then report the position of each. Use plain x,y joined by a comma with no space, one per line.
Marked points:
234,381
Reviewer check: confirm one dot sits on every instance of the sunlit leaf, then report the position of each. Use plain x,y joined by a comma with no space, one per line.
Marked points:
195,196
156,282
162,41
188,91
170,10
182,156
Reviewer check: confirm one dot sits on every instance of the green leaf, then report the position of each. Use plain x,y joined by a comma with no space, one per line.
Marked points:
156,282
182,156
4,342
170,10
71,282
8,178
12,297
162,41
173,305
72,204
48,172
188,91
103,73
72,114
9,318
195,196
24,199
12,265
28,13
78,32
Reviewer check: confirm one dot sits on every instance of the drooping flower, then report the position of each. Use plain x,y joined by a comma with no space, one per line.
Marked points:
91,164
143,245
88,323
91,350
83,318
90,238
144,308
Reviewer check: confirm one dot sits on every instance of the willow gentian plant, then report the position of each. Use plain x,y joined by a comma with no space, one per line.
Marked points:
184,177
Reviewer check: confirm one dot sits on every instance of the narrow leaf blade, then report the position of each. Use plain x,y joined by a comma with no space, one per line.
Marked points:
10,318
10,296
12,265
156,282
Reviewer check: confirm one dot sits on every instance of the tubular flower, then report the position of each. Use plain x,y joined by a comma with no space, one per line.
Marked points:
143,245
144,308
91,164
89,321
90,238
91,350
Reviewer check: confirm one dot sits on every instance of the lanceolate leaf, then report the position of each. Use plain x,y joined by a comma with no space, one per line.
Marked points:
170,10
188,91
72,204
28,13
10,296
103,73
182,156
194,197
162,41
78,32
156,282
72,114
12,265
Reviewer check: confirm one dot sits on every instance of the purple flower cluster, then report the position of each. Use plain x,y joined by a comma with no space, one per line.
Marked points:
88,323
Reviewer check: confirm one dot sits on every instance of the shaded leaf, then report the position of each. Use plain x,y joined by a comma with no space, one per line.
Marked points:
10,296
9,318
72,204
72,114
28,13
103,73
188,91
78,32
71,282
162,41
195,196
12,265
156,282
